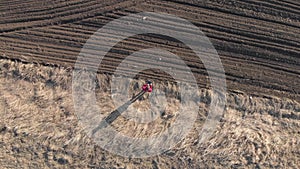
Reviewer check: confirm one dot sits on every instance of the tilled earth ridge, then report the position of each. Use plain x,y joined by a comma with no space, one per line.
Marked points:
39,127
258,41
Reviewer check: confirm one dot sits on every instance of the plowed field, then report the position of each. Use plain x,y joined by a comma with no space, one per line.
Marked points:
258,42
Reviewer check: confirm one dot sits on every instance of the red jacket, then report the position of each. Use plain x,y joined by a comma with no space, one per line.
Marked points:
147,87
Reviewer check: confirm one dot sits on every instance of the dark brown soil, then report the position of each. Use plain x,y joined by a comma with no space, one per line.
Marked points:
258,42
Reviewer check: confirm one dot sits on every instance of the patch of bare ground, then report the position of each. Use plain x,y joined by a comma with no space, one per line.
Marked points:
258,41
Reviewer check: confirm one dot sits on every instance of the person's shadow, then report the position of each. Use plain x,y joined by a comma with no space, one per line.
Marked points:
116,113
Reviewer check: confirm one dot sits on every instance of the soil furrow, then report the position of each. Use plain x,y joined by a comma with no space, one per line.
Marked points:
90,10
235,13
64,19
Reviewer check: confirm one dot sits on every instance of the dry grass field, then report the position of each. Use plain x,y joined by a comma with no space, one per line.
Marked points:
39,128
